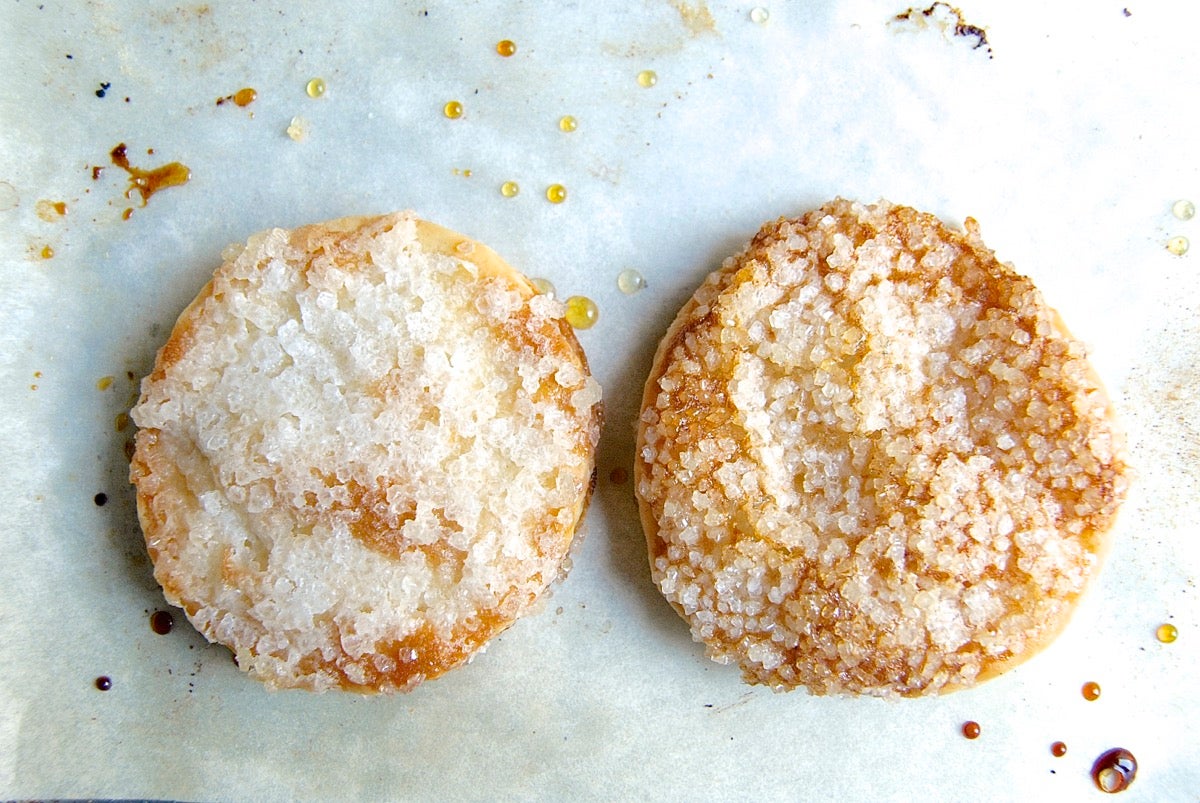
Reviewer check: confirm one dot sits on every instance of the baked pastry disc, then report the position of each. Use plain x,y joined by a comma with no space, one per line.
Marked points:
363,452
872,460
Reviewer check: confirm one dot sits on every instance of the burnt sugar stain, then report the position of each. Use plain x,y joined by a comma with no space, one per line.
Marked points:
950,19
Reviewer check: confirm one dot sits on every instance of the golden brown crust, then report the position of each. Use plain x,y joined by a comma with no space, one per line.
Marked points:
871,460
283,504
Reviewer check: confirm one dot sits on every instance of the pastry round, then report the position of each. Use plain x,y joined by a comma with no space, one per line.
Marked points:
363,452
872,460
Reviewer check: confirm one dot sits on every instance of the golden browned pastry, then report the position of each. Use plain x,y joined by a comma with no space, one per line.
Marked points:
363,452
872,460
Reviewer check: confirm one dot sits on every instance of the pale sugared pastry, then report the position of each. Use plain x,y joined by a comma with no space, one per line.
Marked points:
363,452
872,460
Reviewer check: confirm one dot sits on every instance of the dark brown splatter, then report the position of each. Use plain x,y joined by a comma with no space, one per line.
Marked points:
961,26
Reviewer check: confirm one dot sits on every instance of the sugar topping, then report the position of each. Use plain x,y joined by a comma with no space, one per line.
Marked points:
361,456
871,460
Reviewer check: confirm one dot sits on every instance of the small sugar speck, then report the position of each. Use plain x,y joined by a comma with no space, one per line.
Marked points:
297,129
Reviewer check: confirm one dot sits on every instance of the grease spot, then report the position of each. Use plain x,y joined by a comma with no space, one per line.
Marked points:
697,19
9,198
50,211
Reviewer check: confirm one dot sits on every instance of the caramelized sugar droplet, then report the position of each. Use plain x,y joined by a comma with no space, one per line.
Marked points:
161,622
1115,770
543,286
582,312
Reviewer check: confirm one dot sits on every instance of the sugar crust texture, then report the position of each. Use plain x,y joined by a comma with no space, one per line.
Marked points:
363,452
872,460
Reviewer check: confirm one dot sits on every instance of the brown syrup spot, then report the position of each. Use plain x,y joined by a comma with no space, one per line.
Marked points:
1058,749
101,499
147,182
1091,691
161,622
1115,770
104,683
242,98
971,729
